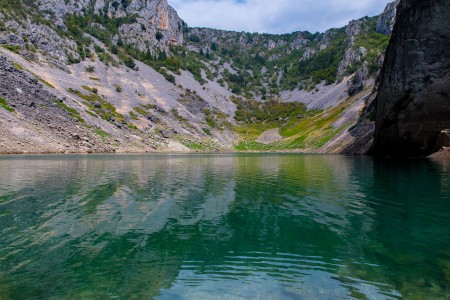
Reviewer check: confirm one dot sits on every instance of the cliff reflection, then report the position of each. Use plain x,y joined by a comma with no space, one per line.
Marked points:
196,226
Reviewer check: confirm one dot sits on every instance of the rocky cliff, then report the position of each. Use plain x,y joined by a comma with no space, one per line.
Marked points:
51,26
413,102
386,21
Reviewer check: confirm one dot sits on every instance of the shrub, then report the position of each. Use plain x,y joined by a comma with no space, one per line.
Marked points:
206,131
194,39
129,62
98,49
118,88
170,78
90,69
159,36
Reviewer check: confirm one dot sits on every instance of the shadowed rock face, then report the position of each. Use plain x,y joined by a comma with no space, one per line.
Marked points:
413,103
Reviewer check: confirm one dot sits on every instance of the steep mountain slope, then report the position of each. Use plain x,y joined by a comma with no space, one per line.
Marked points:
413,102
142,80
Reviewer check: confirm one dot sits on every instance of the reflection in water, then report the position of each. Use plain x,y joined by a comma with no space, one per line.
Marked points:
223,226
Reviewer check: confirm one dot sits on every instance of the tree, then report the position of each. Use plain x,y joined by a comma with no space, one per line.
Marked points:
159,36
129,62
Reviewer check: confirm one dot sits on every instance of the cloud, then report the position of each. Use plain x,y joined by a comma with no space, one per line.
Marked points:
275,16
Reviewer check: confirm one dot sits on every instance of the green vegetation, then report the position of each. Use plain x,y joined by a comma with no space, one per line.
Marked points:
253,66
43,81
206,131
4,105
118,88
159,36
268,112
107,59
253,146
100,106
375,43
12,48
102,134
199,145
18,66
178,116
90,89
144,109
72,112
133,115
312,131
90,69
261,64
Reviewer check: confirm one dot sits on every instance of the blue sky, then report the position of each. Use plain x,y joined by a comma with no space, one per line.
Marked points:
275,16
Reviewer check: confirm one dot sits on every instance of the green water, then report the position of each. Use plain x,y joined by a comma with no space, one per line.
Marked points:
223,227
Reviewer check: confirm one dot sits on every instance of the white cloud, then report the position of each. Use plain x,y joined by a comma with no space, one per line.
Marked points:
275,16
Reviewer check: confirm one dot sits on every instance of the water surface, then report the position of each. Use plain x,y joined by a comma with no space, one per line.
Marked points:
244,226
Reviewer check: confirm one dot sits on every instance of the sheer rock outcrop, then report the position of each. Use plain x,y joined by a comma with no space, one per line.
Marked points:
413,102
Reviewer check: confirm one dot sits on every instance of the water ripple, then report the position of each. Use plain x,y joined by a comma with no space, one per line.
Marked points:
268,226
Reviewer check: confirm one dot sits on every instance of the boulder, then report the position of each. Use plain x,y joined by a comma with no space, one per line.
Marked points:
167,134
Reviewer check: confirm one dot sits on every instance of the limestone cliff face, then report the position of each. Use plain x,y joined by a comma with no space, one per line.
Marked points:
386,20
413,102
152,16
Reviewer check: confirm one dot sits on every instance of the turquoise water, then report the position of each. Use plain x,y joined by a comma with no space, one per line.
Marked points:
245,226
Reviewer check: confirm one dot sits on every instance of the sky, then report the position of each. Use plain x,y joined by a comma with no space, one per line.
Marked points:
275,16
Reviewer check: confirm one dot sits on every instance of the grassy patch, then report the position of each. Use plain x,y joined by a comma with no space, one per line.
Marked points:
4,105
102,134
21,68
206,131
18,66
133,116
12,48
199,146
133,127
253,146
100,106
144,109
91,113
44,81
178,116
72,112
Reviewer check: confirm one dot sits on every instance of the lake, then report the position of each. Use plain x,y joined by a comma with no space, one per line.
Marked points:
223,226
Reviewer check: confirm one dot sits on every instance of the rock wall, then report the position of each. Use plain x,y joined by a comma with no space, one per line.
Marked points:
386,21
152,16
413,102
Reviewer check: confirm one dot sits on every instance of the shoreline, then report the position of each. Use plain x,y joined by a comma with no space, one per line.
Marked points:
438,156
